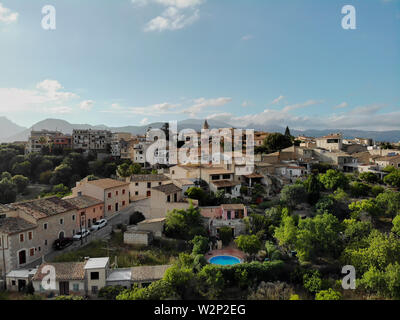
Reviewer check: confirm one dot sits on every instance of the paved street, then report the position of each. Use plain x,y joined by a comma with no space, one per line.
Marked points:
104,233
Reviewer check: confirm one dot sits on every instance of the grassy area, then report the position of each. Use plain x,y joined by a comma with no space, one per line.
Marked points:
127,255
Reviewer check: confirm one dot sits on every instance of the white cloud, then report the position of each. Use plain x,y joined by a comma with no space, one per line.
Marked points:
247,37
203,103
177,15
172,19
58,110
87,105
341,106
155,109
47,93
357,118
300,105
277,100
7,16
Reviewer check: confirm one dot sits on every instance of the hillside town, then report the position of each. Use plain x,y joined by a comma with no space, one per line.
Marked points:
115,224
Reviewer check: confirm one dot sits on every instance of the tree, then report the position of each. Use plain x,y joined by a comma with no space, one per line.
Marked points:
359,189
325,205
396,225
62,174
211,281
200,245
123,170
312,281
369,206
272,251
196,193
389,201
369,177
287,132
333,180
318,236
329,294
276,141
286,233
248,243
135,168
23,168
225,235
21,182
8,191
356,230
184,224
158,290
110,292
313,187
393,178
293,195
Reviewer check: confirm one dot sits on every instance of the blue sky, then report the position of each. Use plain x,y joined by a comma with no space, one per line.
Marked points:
125,62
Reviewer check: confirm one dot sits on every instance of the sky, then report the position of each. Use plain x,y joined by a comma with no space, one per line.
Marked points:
258,62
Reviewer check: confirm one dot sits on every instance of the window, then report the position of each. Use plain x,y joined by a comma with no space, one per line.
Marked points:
39,249
21,237
148,184
109,194
123,191
79,193
116,193
45,226
13,282
175,197
226,176
30,235
136,193
94,289
94,210
75,287
61,221
168,198
31,252
159,183
73,217
94,276
123,203
109,208
45,242
215,177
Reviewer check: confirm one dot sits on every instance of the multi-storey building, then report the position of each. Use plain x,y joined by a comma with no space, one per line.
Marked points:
97,140
119,143
114,193
46,138
29,229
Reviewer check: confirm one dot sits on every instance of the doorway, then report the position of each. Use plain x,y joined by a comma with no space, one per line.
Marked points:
22,257
64,288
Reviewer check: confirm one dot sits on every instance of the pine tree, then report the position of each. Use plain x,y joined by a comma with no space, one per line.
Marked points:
287,132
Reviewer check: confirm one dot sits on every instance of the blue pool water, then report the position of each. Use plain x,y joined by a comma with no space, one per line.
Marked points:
224,260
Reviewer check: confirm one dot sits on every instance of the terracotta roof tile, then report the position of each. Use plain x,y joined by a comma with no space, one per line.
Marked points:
148,273
168,188
108,183
83,202
14,225
64,271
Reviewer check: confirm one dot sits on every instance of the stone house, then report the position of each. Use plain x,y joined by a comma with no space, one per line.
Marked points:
89,210
140,184
114,193
69,278
96,270
30,228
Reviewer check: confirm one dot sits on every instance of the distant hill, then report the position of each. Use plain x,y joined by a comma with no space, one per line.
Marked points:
65,127
10,131
8,128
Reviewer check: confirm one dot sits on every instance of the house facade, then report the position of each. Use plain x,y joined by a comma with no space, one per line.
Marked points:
113,193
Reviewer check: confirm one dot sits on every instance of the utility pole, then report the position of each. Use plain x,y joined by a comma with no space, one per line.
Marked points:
4,262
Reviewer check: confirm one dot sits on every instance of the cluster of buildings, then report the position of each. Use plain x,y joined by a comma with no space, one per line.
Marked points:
85,278
28,229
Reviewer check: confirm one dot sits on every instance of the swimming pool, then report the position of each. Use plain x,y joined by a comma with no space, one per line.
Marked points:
224,260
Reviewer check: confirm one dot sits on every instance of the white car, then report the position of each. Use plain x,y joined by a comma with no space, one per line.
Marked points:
98,225
81,234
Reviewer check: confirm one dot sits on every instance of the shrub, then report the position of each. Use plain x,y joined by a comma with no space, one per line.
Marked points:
329,294
110,292
225,234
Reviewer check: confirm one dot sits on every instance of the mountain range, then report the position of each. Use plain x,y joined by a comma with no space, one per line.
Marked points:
10,131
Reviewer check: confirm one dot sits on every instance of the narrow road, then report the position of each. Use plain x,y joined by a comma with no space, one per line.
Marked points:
104,233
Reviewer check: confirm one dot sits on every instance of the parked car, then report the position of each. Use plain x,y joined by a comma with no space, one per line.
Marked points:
60,244
81,234
98,225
